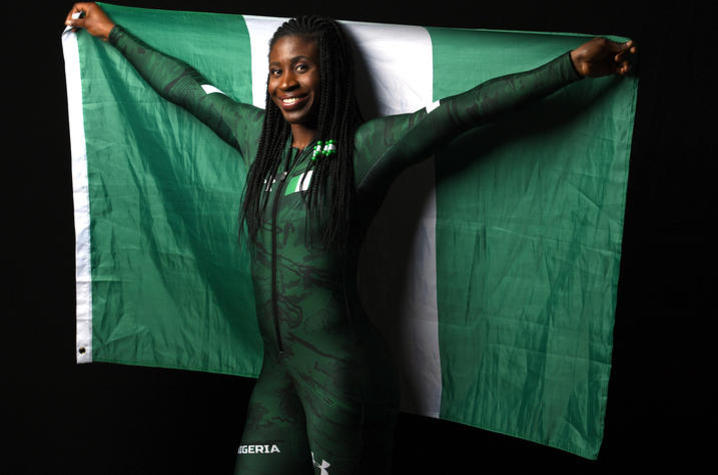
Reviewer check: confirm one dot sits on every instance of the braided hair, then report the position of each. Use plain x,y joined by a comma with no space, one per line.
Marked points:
331,194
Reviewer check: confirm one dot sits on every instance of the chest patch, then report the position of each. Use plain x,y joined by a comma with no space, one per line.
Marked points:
299,183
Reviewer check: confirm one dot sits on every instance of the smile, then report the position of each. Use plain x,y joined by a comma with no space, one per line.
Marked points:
289,103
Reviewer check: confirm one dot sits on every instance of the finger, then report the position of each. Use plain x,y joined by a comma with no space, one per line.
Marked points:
72,16
69,16
627,50
621,47
629,47
624,68
69,27
79,10
76,23
627,60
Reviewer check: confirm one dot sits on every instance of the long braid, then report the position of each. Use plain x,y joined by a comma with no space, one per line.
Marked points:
331,194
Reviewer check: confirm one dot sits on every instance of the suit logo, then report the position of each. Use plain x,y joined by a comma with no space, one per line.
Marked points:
323,466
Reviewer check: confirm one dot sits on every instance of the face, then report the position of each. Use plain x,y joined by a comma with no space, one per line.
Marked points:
294,78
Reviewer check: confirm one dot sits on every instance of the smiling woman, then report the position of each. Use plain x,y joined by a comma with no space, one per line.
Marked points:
293,85
327,395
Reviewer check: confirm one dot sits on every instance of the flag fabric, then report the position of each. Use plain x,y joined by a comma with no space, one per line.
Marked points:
491,268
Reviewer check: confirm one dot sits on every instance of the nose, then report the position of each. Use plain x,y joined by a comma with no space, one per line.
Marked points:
288,81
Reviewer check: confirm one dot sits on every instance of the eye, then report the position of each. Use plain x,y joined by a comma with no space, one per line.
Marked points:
275,72
302,67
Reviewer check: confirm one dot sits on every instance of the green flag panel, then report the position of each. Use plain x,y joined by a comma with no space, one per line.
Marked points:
528,235
170,284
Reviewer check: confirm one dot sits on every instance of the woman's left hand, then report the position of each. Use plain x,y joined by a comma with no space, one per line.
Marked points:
601,57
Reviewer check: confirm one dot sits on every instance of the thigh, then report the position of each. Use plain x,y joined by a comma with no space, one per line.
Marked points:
348,437
274,439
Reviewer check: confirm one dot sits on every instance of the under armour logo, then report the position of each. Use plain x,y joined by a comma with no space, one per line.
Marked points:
323,467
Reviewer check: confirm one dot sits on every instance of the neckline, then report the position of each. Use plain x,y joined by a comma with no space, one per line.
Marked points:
294,156
309,146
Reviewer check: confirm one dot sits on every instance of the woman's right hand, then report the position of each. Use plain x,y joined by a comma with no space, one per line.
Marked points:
93,19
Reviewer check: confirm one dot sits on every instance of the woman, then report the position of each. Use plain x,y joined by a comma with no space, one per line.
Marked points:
327,395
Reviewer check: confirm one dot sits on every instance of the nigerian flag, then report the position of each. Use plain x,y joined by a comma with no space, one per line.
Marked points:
492,267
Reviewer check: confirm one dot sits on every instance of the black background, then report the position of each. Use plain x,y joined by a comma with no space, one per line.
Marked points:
59,417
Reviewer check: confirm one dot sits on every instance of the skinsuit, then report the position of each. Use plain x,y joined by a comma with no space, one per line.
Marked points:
327,395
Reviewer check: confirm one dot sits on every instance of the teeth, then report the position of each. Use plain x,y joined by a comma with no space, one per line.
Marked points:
290,100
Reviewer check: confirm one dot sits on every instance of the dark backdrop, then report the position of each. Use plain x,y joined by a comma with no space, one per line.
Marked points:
112,419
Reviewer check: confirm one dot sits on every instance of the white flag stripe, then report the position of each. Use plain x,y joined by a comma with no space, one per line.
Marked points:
420,360
260,30
80,197
398,62
397,282
388,52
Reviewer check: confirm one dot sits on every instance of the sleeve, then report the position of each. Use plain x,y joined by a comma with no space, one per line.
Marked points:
388,145
236,123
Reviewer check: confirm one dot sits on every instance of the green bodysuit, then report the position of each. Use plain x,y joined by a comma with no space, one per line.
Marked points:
327,395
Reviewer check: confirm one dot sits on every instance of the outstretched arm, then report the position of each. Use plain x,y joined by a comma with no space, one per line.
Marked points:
414,137
174,80
487,101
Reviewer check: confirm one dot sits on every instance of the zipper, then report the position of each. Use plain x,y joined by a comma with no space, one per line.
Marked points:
275,293
294,157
